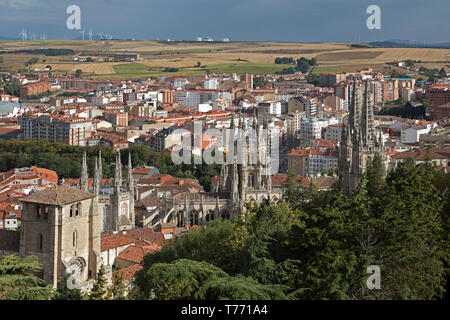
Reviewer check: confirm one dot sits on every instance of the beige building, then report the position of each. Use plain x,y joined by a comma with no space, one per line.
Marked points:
73,131
61,226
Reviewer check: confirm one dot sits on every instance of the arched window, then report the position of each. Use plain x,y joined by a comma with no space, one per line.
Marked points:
41,242
71,211
74,240
77,209
38,212
46,211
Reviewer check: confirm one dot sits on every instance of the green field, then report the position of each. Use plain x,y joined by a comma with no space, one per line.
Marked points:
318,70
245,67
138,70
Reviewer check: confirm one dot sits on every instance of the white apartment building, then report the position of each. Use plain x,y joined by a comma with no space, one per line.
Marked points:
411,134
210,84
311,128
270,107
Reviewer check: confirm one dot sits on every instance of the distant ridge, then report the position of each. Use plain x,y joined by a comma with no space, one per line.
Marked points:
405,44
2,38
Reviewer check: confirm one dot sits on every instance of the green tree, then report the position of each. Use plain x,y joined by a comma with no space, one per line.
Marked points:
78,73
63,292
375,174
239,288
179,280
118,290
220,244
411,227
99,290
303,66
18,280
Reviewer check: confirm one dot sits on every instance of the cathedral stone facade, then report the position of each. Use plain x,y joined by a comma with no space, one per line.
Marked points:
115,197
360,142
245,177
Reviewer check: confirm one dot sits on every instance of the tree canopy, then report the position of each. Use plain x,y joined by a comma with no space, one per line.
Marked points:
18,280
317,244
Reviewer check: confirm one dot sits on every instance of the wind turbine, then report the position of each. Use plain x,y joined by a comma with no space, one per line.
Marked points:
100,35
90,34
83,32
23,34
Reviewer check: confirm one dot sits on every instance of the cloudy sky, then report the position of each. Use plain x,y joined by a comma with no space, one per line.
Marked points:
264,20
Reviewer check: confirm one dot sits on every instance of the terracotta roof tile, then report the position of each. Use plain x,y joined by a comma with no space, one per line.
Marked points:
58,195
114,241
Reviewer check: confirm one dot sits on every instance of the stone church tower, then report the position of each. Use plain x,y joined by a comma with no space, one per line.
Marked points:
359,143
61,226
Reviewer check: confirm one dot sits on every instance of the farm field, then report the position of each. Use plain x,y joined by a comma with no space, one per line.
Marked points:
214,57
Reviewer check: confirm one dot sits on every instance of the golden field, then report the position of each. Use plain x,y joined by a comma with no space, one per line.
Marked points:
233,56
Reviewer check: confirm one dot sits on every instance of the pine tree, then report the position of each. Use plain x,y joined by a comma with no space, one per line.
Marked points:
118,290
375,176
412,254
99,290
63,292
18,280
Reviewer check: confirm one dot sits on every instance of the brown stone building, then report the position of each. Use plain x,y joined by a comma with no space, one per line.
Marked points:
34,88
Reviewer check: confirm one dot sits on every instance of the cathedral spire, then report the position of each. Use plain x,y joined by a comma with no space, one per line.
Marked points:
186,210
130,183
255,119
84,174
203,219
118,174
96,182
232,120
100,168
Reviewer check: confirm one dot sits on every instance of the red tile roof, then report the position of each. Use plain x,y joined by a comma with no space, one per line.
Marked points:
129,272
114,241
136,254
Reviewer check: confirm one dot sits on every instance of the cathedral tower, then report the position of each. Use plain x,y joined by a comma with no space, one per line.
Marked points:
359,143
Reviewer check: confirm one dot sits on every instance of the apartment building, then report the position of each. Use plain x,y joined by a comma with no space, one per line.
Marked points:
438,94
70,130
334,132
330,79
34,88
440,112
117,119
311,128
312,161
303,104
